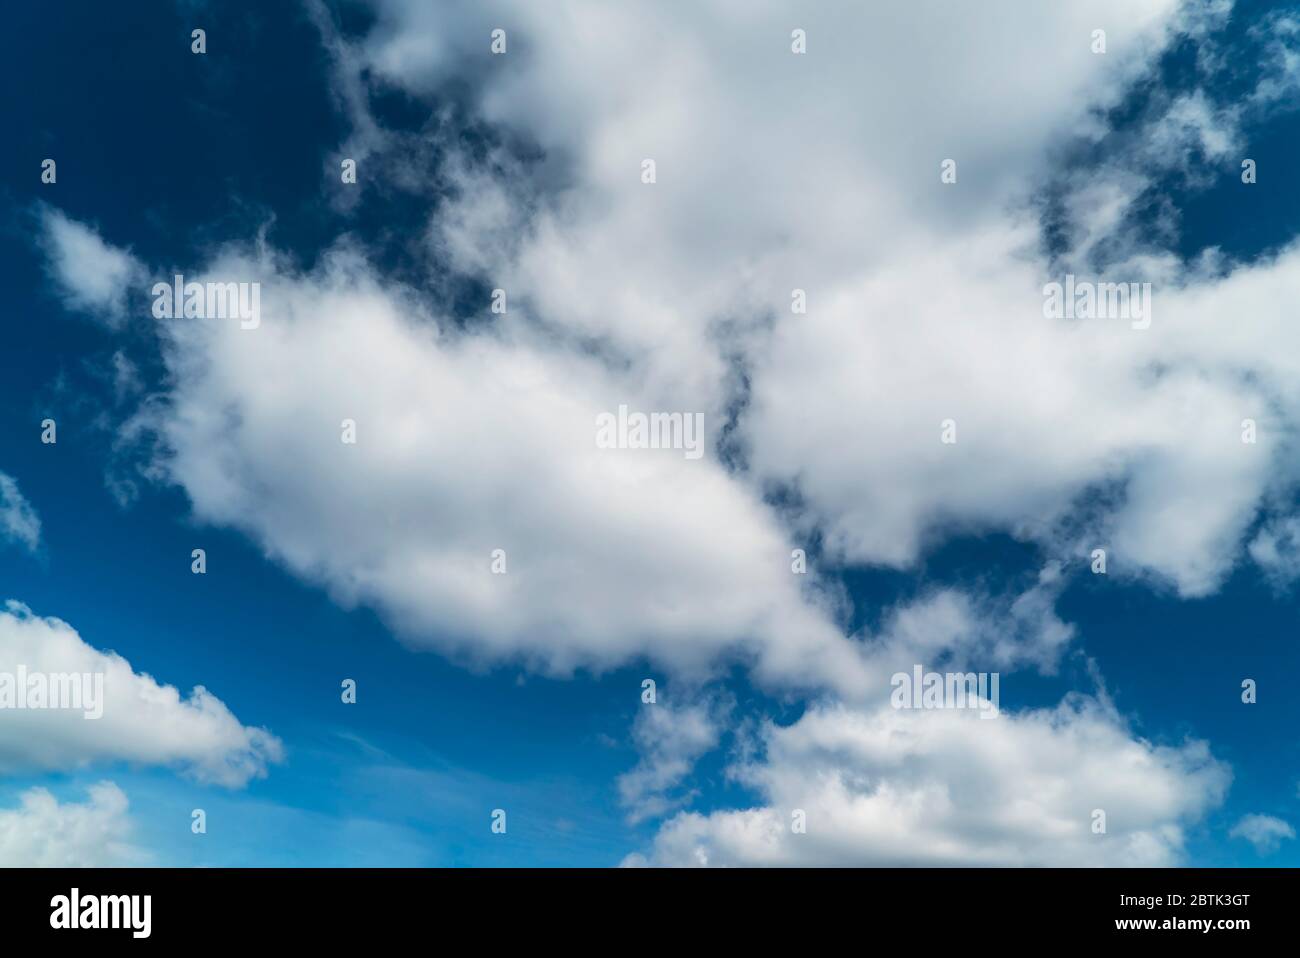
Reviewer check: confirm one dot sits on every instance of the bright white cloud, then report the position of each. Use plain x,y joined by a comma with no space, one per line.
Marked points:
821,172
92,276
1050,415
925,305
43,832
775,171
466,444
470,443
910,787
142,722
18,520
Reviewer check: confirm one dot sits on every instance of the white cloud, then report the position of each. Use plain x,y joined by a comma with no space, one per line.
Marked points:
820,172
948,628
142,721
671,738
900,787
1192,122
776,171
18,520
45,833
91,275
1048,413
467,444
1265,832
1276,550
471,442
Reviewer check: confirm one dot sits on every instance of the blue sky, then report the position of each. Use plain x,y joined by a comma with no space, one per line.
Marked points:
532,702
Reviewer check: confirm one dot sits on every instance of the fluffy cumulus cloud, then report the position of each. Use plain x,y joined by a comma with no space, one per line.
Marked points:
43,832
912,787
138,720
468,444
474,442
775,172
1050,417
820,172
19,522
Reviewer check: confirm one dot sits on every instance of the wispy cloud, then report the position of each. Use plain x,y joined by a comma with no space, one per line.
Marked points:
1265,832
18,520
90,275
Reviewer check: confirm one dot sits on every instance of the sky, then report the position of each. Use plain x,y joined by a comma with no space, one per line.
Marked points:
432,596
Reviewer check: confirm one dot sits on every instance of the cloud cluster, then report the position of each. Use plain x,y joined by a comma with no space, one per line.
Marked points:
43,832
142,722
775,172
820,172
468,444
895,787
